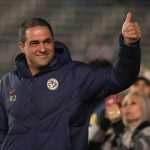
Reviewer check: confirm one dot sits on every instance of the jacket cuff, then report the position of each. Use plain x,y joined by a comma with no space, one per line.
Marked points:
129,51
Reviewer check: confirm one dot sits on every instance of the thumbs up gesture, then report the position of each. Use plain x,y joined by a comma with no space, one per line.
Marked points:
130,30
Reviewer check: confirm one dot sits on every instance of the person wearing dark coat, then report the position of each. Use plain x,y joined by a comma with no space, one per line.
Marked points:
46,101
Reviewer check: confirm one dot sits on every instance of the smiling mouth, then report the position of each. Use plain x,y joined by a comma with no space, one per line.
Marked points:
42,56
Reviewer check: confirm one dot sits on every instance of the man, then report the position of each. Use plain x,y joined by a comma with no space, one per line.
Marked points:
45,104
141,85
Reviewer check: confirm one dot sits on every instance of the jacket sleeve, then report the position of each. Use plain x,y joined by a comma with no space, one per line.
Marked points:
125,71
3,120
105,81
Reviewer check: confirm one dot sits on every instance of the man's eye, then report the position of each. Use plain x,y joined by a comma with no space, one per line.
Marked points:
34,43
47,42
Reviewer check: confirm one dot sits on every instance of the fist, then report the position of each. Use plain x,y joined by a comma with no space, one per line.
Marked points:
130,30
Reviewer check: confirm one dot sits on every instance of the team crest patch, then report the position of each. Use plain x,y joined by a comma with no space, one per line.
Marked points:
52,84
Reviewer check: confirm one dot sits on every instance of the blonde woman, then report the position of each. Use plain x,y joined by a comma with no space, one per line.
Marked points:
136,117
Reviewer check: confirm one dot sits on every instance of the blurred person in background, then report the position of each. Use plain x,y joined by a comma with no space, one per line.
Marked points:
142,85
46,101
105,133
99,112
136,117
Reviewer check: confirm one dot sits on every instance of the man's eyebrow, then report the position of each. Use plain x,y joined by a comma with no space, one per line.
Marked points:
47,39
34,41
37,41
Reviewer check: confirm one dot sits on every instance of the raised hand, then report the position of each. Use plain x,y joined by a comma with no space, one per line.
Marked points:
131,30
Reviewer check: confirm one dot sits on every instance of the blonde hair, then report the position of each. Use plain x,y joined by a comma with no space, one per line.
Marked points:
145,101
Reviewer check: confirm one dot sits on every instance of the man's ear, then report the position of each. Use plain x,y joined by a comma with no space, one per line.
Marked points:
21,47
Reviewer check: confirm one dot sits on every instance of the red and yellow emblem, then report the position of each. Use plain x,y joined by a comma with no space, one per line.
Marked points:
52,84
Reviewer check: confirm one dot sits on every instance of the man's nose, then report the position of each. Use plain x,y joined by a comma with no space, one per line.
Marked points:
42,47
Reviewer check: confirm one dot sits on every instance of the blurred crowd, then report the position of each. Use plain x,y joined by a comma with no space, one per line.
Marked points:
122,121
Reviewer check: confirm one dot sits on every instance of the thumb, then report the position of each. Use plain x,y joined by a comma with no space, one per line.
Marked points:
128,17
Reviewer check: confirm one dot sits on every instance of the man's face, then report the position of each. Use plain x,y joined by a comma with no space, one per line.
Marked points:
38,47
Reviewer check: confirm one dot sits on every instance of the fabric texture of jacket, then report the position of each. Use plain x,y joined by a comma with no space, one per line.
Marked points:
51,110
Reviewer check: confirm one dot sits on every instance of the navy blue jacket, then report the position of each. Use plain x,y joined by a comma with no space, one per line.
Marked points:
51,110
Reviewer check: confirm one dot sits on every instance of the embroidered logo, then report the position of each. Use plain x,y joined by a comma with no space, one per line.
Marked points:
13,98
11,91
52,84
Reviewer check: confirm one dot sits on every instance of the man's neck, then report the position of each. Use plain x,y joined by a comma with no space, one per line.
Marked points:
33,70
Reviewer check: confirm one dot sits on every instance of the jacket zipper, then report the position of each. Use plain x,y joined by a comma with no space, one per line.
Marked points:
32,116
